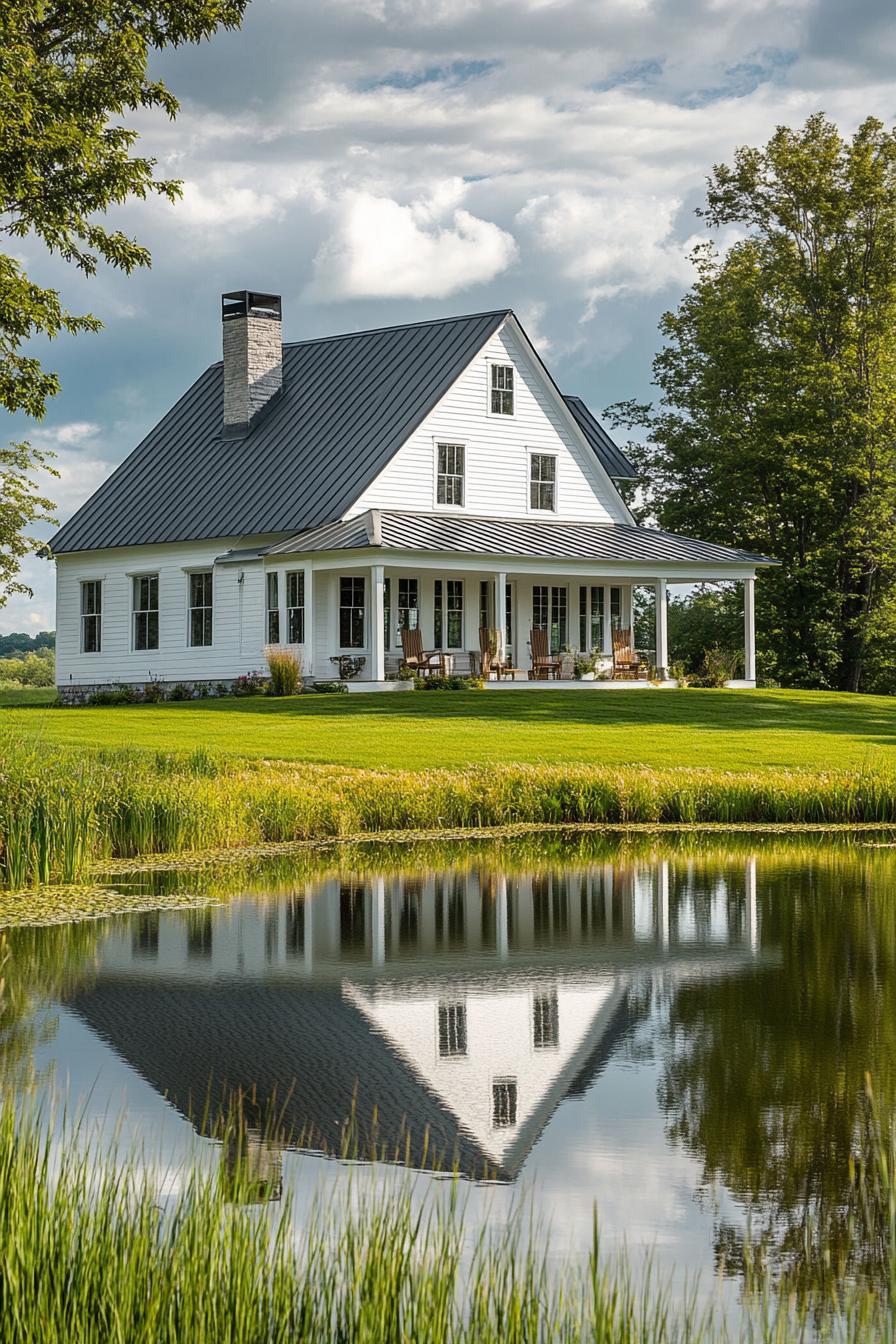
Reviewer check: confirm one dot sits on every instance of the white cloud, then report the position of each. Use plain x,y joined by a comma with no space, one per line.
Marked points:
428,249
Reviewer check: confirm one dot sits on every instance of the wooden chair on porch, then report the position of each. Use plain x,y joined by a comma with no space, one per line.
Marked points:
489,652
544,663
414,658
627,664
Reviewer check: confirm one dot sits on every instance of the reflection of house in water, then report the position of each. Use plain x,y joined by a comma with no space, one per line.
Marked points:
457,1009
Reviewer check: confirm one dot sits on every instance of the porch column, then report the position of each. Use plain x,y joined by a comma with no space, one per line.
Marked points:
662,634
749,630
376,643
607,632
308,653
501,611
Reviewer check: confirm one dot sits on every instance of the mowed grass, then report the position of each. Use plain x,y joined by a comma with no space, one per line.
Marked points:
725,730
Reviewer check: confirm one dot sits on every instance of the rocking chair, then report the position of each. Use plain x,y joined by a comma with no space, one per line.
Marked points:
627,664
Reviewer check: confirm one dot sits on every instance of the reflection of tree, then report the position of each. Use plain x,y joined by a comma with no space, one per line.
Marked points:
39,964
765,1070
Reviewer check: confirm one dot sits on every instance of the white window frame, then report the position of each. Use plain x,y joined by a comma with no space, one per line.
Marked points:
530,508
490,365
269,611
362,648
437,444
442,614
299,576
191,575
135,612
96,615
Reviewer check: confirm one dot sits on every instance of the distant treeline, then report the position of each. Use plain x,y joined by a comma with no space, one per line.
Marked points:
17,645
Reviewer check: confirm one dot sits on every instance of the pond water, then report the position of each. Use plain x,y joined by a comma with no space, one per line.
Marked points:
676,1036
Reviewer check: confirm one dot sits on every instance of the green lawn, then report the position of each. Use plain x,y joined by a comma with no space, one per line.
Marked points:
724,729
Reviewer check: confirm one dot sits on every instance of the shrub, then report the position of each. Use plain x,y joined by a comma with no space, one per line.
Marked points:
453,683
719,665
285,671
180,691
153,692
118,695
250,683
330,687
31,669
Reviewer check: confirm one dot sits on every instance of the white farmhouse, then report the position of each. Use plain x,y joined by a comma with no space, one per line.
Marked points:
329,494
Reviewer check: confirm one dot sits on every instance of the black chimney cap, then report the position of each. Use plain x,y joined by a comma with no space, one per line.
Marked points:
245,302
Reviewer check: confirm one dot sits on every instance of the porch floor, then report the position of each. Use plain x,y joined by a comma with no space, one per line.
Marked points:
524,684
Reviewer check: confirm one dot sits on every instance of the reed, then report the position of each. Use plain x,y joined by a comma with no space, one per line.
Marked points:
61,811
91,1249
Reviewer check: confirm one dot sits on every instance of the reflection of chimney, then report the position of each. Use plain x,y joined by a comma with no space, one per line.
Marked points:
253,356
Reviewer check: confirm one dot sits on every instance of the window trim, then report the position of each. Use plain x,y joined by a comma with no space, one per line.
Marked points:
90,615
299,575
440,610
446,442
269,611
500,364
538,512
134,578
356,649
190,575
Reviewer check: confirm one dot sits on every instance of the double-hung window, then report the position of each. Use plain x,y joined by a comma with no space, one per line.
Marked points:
545,1021
146,611
504,1103
549,613
501,389
92,616
201,609
543,481
408,605
452,1030
295,606
273,600
591,618
616,608
351,613
450,474
449,613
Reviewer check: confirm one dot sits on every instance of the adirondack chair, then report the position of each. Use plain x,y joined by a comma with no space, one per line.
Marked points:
544,663
627,665
415,659
489,652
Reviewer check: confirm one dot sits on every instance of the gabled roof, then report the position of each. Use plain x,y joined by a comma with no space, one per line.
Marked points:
512,537
612,459
348,404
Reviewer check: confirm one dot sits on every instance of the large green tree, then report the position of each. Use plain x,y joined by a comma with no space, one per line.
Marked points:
775,428
70,70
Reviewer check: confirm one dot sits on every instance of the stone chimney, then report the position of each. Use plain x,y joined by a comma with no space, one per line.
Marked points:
253,357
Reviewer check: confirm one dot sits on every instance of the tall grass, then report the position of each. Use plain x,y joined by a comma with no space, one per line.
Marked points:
90,1251
60,810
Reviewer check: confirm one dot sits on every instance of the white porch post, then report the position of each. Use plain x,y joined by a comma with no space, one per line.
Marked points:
749,630
500,610
607,633
662,633
377,619
308,653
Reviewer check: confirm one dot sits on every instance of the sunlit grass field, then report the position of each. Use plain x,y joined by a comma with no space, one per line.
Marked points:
727,730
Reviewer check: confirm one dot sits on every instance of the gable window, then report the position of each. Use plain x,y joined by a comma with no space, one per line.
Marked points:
543,481
503,1103
452,1030
91,616
201,610
272,584
501,389
146,611
408,606
351,613
295,607
450,474
449,613
545,1021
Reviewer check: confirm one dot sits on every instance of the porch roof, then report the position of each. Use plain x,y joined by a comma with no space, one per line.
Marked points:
522,538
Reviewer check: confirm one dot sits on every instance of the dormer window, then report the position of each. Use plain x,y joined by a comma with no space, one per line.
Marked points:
501,391
450,474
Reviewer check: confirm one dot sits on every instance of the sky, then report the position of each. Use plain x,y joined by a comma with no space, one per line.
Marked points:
385,161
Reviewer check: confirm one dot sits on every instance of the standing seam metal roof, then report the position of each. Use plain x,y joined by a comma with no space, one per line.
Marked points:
348,404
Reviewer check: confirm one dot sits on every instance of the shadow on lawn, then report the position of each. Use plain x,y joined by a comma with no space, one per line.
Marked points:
711,711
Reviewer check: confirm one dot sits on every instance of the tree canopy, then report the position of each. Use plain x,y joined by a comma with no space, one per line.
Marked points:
69,70
775,428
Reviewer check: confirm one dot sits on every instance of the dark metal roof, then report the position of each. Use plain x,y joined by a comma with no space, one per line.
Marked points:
517,537
612,459
348,404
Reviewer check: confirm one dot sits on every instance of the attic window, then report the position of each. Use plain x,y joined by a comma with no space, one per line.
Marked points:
501,393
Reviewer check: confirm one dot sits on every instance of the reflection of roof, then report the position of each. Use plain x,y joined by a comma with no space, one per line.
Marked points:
311,1060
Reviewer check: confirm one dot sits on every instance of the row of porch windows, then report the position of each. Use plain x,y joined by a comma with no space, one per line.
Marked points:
549,611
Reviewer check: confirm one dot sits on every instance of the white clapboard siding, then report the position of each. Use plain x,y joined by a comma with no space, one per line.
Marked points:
238,615
497,449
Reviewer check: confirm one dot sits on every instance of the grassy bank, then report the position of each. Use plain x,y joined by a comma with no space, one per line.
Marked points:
92,1251
61,811
725,730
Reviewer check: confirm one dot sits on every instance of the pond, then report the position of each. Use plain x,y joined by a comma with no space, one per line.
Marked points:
675,1034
